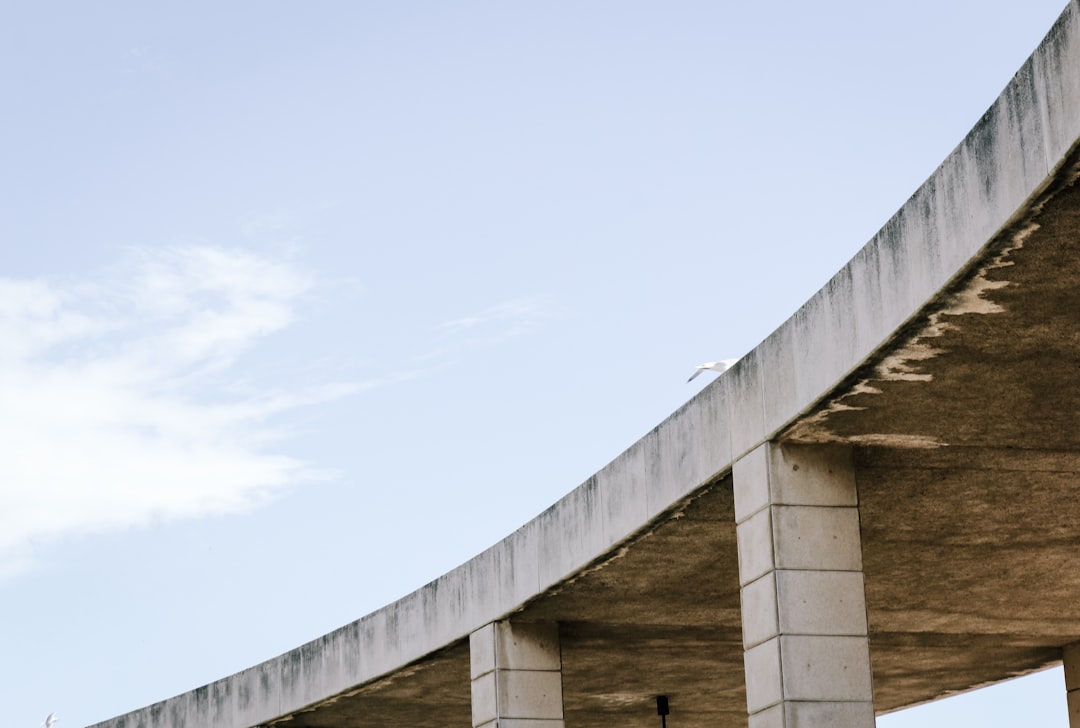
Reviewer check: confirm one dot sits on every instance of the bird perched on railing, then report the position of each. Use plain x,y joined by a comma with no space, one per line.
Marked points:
712,366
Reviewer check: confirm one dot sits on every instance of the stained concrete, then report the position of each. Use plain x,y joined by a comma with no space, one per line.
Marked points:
946,353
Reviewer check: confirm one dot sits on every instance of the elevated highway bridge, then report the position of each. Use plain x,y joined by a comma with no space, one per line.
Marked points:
877,507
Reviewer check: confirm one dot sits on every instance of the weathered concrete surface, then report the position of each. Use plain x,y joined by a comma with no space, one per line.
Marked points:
947,353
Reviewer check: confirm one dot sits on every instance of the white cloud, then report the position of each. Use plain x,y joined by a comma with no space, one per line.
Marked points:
114,400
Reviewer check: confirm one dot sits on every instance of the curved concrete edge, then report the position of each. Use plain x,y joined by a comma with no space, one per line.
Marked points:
580,528
1008,158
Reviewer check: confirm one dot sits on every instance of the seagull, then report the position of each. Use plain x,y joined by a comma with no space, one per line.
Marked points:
50,720
714,366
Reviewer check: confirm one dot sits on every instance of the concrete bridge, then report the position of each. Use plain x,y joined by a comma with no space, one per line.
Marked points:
877,507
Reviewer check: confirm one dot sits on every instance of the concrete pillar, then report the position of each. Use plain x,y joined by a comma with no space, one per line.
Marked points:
516,676
1070,656
806,653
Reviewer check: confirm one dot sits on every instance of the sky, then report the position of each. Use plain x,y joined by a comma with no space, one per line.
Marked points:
304,304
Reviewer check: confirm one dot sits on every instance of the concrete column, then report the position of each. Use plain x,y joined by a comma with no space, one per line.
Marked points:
516,676
806,653
1070,656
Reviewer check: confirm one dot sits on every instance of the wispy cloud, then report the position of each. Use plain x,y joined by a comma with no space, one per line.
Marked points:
511,318
115,404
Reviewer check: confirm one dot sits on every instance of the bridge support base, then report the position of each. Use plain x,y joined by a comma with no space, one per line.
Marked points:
516,676
806,654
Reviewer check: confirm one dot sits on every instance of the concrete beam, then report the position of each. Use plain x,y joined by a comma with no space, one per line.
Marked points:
516,676
807,654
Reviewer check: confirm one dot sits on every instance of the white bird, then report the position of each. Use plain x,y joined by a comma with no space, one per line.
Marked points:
50,720
713,366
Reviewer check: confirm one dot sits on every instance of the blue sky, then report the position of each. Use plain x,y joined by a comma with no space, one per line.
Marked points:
305,304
